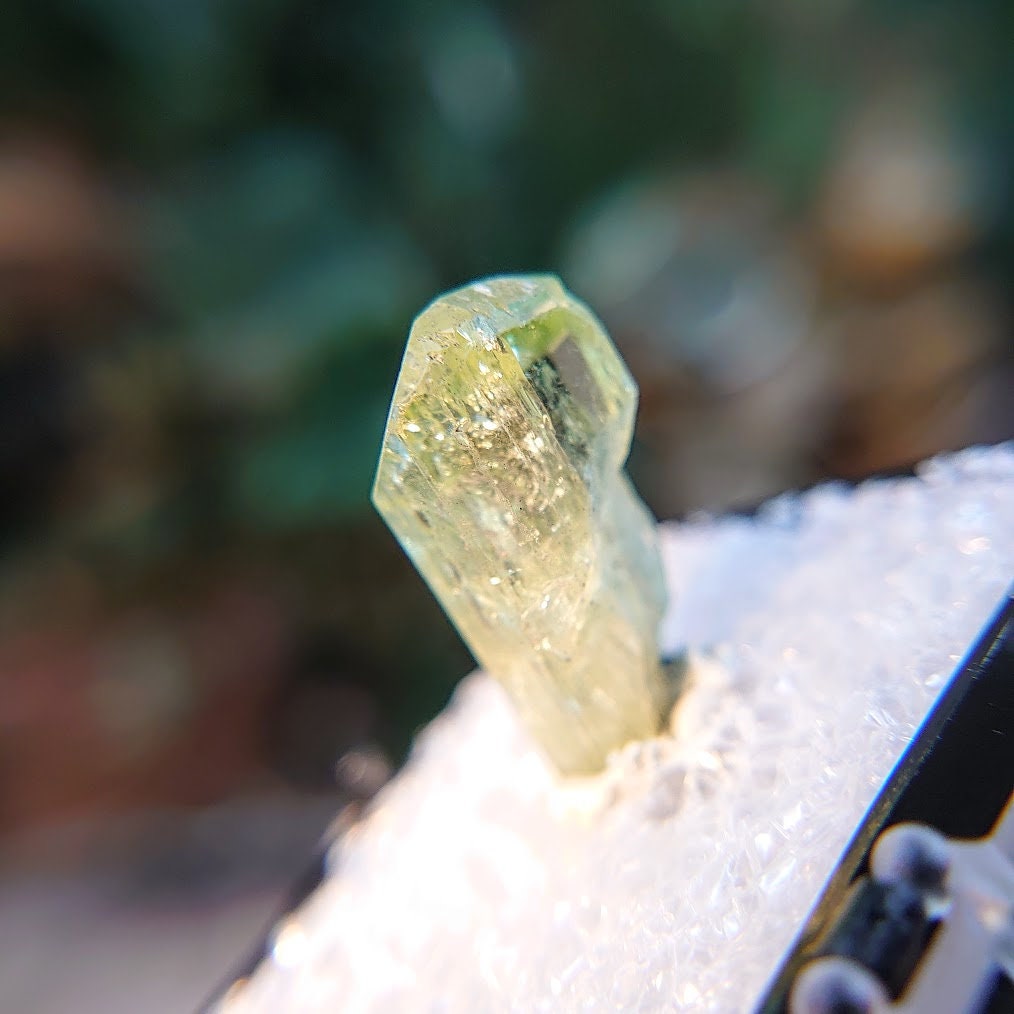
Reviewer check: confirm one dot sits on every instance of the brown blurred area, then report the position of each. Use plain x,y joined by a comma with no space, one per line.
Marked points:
216,223
856,338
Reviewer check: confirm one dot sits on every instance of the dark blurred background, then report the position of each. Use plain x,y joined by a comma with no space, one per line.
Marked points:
217,220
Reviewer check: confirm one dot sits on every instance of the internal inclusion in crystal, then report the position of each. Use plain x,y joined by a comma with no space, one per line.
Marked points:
502,476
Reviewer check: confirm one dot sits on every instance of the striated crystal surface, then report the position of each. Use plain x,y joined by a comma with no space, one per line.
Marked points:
502,476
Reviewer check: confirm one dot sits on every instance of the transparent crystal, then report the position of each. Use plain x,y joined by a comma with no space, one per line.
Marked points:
502,476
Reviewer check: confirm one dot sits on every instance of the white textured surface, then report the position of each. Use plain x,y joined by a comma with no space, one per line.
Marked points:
675,881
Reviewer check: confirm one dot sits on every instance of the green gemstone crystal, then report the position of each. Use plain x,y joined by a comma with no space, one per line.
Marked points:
502,476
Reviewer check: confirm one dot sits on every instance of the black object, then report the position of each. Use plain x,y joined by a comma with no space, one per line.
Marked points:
886,929
956,776
999,998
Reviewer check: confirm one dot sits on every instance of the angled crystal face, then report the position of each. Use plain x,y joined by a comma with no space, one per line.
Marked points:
501,475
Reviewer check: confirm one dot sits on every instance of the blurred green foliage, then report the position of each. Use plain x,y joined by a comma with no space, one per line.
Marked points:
297,177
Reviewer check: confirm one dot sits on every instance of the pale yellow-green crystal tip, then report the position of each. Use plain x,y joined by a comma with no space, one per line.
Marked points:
502,476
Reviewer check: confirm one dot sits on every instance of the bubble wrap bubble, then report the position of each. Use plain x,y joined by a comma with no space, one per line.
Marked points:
820,633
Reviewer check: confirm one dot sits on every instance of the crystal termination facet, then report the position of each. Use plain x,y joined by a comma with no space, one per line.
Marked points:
502,476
